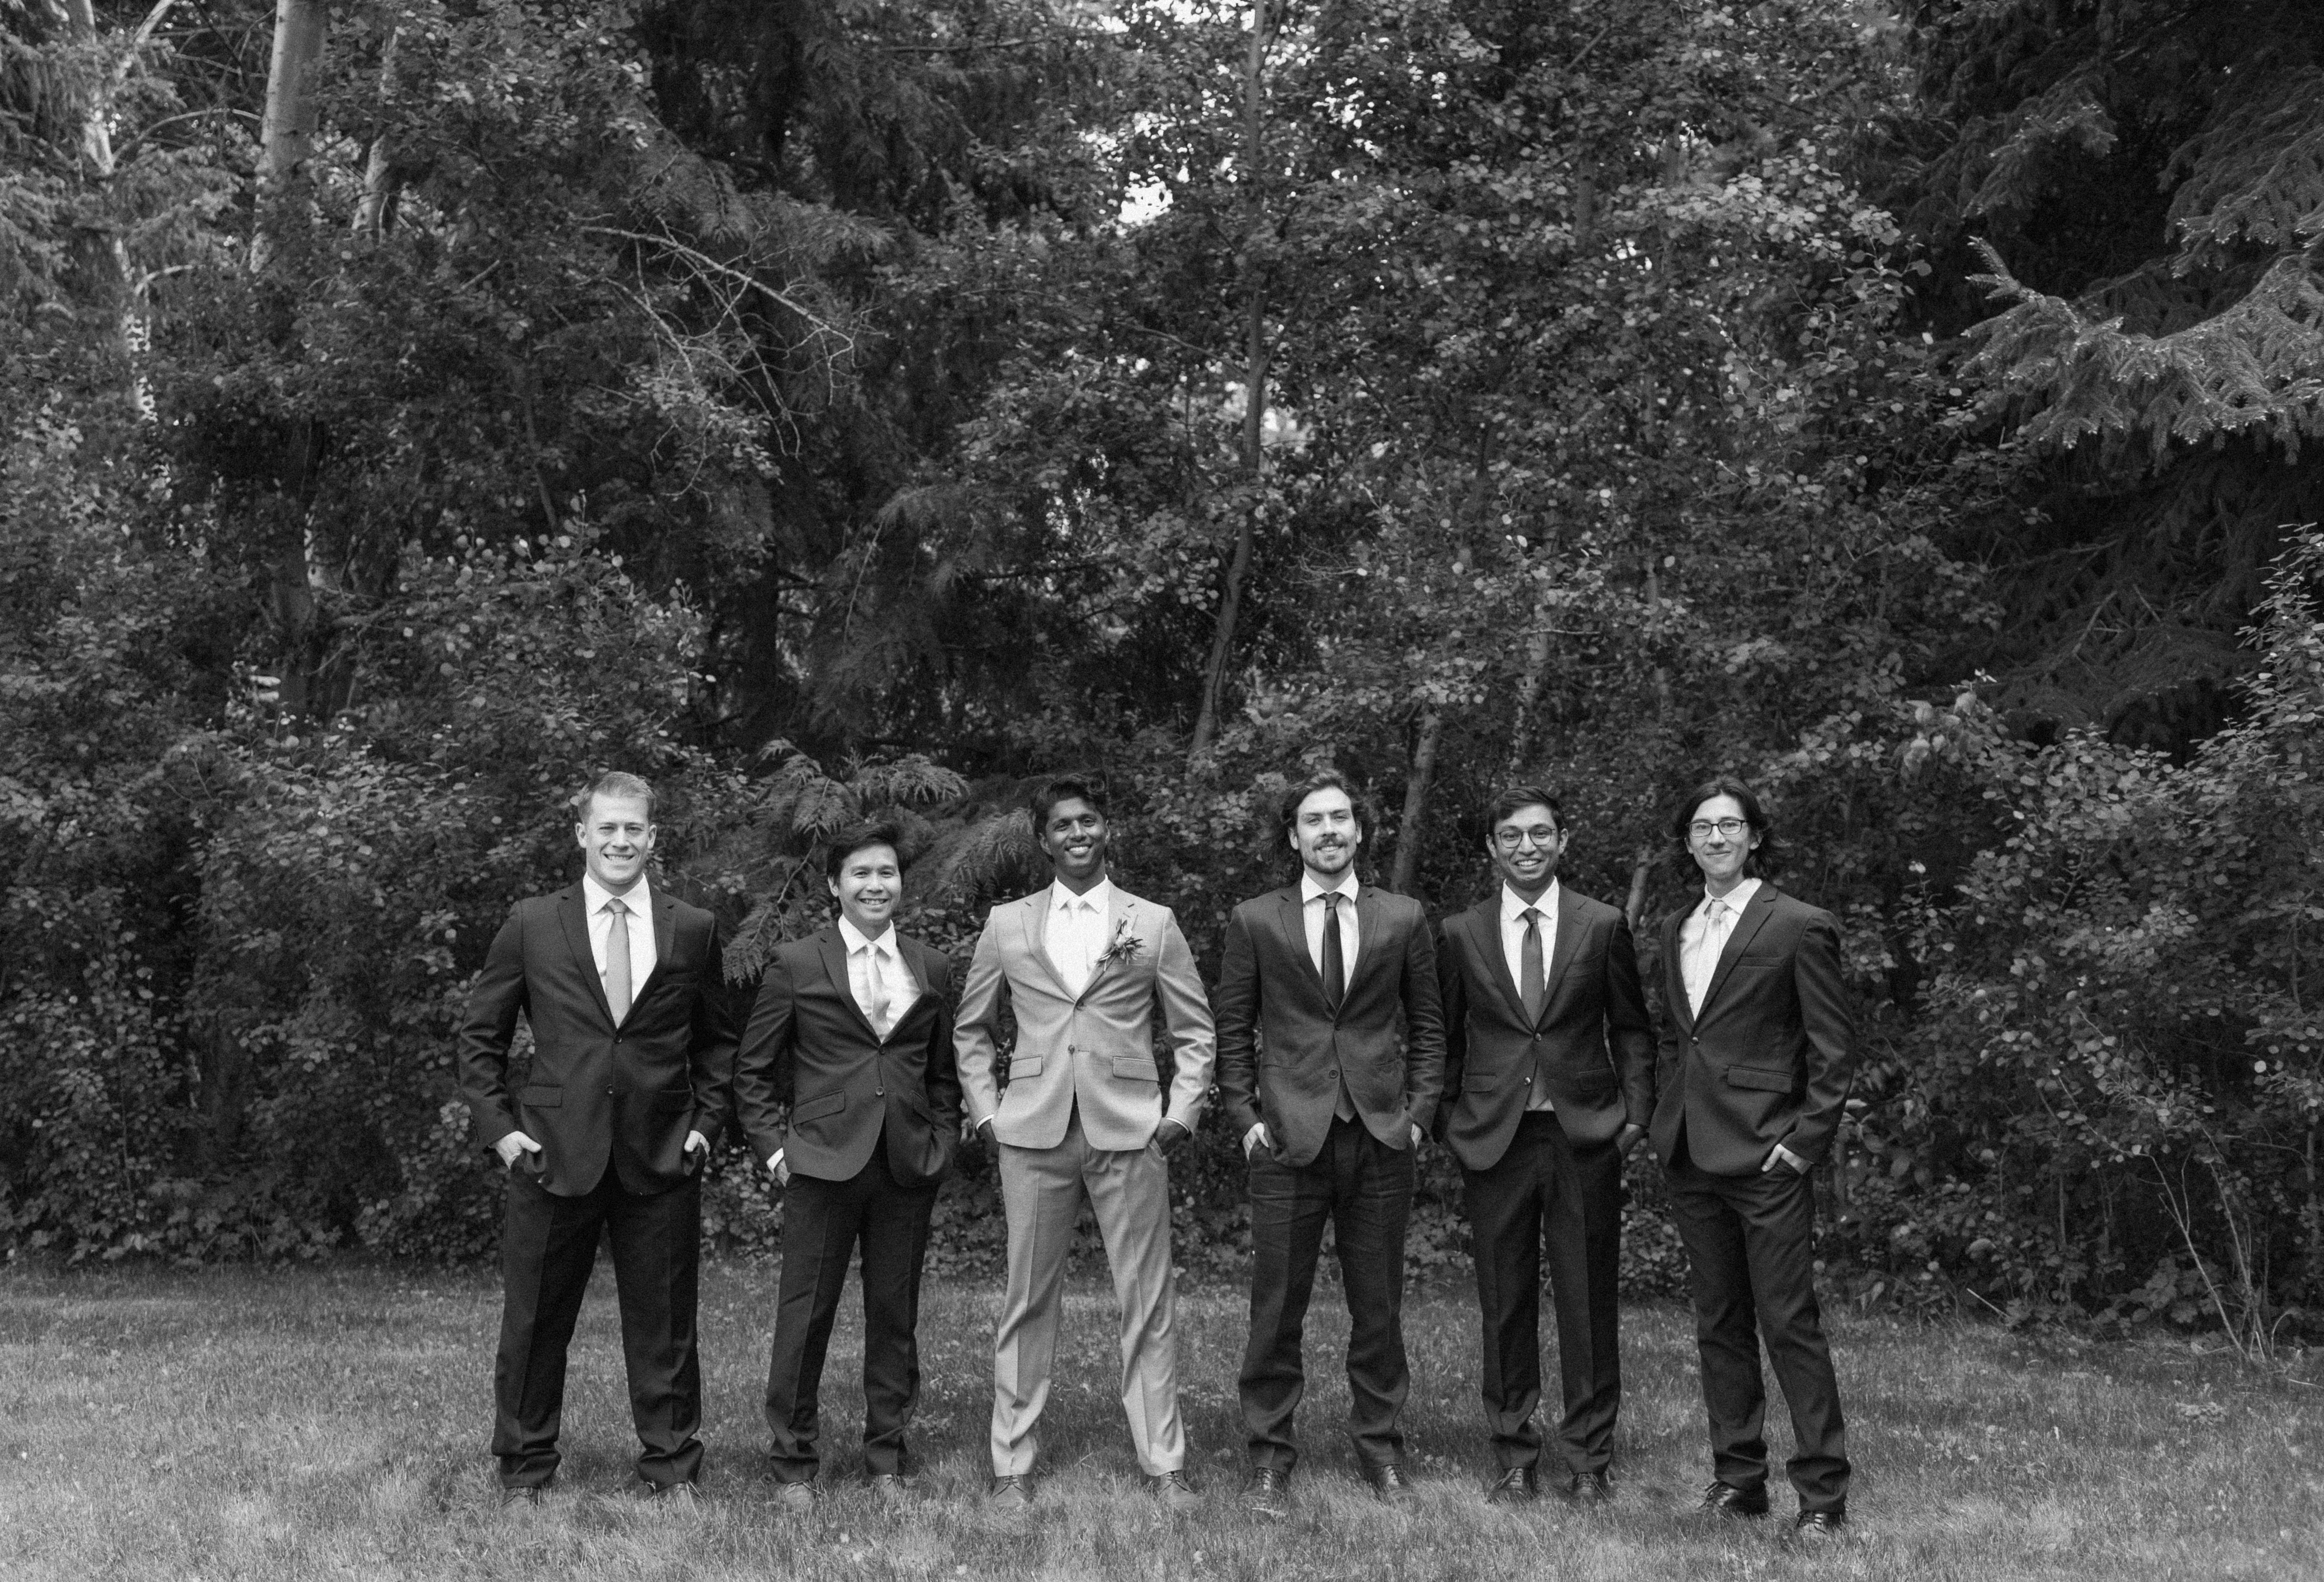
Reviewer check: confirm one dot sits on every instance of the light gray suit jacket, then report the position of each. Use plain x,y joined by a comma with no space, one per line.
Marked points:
1096,1050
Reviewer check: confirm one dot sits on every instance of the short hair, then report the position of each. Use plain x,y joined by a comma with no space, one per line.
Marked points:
1767,855
1515,799
613,782
855,838
1286,812
1065,787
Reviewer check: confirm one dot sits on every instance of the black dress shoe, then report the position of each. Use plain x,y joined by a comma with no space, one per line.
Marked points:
1590,1488
1269,1493
1517,1486
1724,1499
1821,1526
1388,1482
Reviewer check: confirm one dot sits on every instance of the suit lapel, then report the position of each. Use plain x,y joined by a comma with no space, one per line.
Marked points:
1291,919
1485,929
834,966
665,929
1561,952
1036,936
574,913
1368,930
1118,913
1738,938
1674,970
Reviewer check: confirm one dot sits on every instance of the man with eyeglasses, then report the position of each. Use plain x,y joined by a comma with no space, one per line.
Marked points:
1757,1048
1549,1072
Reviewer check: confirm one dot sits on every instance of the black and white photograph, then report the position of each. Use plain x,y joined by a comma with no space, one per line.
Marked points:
1153,791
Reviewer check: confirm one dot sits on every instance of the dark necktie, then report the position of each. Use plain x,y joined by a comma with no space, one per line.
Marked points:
1335,963
1531,980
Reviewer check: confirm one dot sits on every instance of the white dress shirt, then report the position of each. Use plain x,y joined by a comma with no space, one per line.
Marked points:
1513,932
1311,912
640,921
1704,935
877,976
1075,936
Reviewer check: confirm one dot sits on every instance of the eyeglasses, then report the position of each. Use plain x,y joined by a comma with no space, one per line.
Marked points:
1730,827
1542,835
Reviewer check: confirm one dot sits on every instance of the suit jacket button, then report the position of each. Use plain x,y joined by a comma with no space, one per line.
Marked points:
609,1093
879,1093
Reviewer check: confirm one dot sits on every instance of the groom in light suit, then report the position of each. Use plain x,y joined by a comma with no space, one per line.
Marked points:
1084,1118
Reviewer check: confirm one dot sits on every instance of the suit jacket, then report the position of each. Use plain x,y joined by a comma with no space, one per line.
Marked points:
1594,1037
1094,1050
1282,1053
1771,1056
810,1050
600,1094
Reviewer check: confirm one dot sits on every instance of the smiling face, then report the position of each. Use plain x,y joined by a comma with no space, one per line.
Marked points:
1720,839
1525,848
1075,836
870,884
1325,834
615,836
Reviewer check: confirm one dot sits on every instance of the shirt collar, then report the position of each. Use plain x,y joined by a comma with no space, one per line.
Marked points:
855,938
1099,898
1311,890
1512,905
594,896
1736,899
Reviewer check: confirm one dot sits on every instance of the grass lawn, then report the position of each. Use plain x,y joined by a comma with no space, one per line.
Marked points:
320,1424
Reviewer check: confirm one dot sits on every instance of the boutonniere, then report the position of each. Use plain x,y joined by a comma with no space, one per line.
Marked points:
1125,946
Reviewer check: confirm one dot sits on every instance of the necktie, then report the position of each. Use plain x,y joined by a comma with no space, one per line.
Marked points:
1531,978
617,960
875,959
1717,915
1336,965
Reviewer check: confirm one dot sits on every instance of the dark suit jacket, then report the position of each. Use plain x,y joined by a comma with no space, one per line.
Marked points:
809,1047
1594,1034
598,1093
1770,1059
1269,988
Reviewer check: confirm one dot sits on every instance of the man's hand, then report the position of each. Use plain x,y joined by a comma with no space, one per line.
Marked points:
1628,1138
1171,1132
1780,1154
513,1146
976,1131
1418,1136
782,1172
1256,1137
696,1142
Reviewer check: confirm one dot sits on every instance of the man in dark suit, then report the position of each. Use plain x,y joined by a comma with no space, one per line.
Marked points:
1549,1081
632,1058
852,1039
1757,1048
1319,979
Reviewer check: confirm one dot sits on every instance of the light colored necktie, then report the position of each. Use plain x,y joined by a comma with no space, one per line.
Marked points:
617,960
1717,917
879,1005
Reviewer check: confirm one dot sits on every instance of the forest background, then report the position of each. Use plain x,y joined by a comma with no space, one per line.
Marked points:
409,407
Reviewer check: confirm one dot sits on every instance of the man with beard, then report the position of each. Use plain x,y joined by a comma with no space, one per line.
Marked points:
1758,1047
632,1059
845,1087
1549,1072
1318,981
1083,1119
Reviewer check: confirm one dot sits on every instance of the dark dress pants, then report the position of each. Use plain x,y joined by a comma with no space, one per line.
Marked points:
549,1245
1750,1250
1364,1189
823,1223
1536,1193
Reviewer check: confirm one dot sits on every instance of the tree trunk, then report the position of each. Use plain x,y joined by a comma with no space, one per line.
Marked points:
1214,676
288,136
375,209
1529,686
1415,802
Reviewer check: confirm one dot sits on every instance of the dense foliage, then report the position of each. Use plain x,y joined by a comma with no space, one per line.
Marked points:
827,408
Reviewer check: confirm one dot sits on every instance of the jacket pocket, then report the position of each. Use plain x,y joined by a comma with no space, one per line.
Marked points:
1024,1066
1760,1077
830,1104
540,1097
1137,1069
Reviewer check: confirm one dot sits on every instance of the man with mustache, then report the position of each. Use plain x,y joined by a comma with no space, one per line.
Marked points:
633,1060
1331,1053
845,1087
1758,1046
1085,1119
1549,1072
